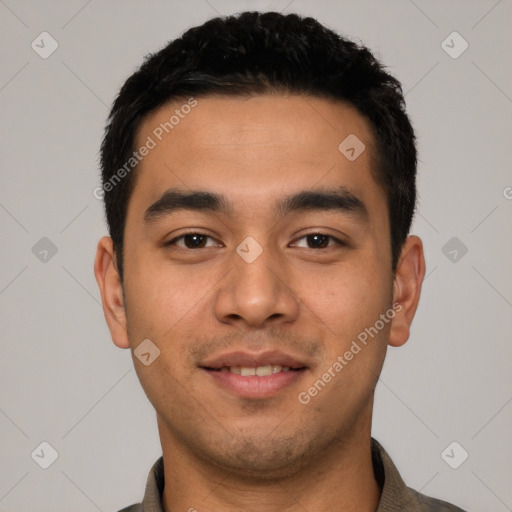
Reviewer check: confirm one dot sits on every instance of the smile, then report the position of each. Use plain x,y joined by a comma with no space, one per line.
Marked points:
260,371
255,382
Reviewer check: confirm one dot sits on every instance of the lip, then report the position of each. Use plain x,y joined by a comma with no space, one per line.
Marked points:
253,360
255,386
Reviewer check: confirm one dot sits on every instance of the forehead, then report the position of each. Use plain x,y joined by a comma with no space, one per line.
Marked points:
255,149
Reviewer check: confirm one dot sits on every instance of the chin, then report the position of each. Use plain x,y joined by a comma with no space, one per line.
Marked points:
262,459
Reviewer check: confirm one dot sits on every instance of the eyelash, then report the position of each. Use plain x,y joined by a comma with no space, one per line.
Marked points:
336,241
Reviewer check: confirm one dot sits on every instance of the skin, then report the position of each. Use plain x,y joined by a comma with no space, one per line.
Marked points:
223,452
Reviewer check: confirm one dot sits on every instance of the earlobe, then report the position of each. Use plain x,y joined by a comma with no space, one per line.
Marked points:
407,289
111,289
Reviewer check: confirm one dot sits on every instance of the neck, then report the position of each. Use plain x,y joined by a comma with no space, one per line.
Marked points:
341,478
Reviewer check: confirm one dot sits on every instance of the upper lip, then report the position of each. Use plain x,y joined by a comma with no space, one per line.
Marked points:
252,360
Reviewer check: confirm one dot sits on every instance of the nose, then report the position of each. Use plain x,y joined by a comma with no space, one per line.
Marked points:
256,293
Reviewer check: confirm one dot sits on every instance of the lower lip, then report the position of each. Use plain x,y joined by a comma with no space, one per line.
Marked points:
255,386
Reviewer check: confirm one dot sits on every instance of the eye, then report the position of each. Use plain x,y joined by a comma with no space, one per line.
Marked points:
193,241
317,241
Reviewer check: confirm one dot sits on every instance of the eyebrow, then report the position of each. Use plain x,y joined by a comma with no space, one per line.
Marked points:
339,199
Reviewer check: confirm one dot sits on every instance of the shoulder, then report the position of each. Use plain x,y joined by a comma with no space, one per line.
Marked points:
133,508
154,488
424,503
395,494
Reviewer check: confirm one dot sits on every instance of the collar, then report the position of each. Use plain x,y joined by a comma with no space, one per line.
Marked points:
395,495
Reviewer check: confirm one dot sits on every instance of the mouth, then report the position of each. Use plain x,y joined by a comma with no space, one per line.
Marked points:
254,375
253,371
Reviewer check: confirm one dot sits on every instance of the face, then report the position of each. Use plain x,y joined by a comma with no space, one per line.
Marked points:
252,241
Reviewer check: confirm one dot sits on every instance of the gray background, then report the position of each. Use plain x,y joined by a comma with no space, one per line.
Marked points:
63,381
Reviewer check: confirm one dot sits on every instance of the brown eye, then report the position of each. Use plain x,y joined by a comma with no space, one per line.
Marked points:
192,241
317,241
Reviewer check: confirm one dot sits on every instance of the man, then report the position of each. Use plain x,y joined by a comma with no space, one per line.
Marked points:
259,184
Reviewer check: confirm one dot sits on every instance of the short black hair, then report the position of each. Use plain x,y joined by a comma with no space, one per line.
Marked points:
256,53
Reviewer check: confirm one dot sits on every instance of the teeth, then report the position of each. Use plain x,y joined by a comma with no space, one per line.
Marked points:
260,371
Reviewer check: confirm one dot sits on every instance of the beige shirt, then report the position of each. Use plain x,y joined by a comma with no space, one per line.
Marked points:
395,495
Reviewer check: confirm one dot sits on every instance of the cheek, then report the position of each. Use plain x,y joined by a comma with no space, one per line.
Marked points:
162,297
346,297
350,303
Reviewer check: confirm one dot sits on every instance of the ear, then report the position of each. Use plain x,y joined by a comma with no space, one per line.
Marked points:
407,289
111,289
